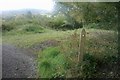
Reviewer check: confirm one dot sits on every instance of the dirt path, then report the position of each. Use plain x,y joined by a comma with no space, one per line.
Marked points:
17,63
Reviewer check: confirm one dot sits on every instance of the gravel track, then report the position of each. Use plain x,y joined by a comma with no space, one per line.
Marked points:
17,63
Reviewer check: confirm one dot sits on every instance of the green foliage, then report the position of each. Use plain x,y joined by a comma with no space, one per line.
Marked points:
89,66
51,63
50,52
102,25
70,49
56,22
92,25
34,28
110,66
92,66
45,68
67,26
72,16
7,27
112,59
90,13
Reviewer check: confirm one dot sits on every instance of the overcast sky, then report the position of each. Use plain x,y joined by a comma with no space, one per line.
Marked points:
25,4
37,4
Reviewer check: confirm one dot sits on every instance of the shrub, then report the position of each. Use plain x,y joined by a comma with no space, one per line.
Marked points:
34,28
89,66
110,59
7,27
102,25
66,26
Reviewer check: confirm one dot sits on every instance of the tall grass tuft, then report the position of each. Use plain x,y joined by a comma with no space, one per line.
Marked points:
51,63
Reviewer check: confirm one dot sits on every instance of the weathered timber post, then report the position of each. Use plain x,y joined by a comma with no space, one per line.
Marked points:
82,45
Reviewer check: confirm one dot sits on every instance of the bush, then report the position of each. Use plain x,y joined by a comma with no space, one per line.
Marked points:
34,28
102,25
55,24
89,66
7,28
66,26
111,59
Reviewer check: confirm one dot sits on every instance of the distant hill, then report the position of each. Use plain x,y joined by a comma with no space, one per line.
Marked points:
10,13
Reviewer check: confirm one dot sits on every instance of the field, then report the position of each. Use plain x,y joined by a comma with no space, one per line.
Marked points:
99,44
58,43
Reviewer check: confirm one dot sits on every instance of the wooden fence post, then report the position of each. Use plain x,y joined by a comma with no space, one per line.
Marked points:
82,45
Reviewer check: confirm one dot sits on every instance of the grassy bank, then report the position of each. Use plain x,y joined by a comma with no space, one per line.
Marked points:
27,40
100,58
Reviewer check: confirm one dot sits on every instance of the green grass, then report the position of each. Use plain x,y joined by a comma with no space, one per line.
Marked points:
29,39
101,53
100,42
51,63
101,46
23,29
61,61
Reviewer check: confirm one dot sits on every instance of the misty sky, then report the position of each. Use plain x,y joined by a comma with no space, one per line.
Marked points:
36,4
26,4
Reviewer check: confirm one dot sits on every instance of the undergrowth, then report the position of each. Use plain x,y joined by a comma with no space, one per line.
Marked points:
62,61
51,63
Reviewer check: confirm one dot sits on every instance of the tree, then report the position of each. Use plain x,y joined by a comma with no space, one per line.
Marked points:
29,14
66,9
104,14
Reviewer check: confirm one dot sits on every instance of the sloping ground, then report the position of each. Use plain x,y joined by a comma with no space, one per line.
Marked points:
102,42
102,45
99,42
16,63
44,44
